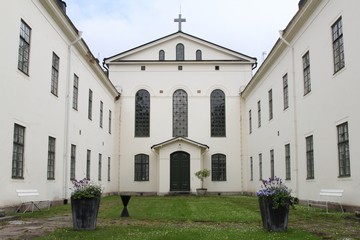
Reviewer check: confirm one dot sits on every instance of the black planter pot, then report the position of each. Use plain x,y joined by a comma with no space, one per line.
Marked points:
84,213
273,219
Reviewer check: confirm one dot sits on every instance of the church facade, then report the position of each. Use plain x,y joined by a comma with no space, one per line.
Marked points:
179,104
180,99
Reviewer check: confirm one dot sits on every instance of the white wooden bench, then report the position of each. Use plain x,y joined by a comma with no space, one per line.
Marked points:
328,196
30,200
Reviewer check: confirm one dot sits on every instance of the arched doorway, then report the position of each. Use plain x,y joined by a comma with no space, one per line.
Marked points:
180,172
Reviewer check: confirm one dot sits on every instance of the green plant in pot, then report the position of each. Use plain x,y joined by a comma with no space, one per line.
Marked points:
202,174
274,201
85,202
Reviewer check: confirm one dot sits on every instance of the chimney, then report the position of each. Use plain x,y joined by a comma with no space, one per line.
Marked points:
62,5
301,3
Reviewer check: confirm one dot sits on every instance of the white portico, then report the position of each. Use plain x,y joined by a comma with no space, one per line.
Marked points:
178,160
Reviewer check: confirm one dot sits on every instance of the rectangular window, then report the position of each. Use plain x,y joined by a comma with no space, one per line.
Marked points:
24,48
270,104
18,152
310,157
251,169
287,162
88,164
260,167
90,104
250,122
99,167
343,150
55,74
108,168
272,164
306,70
141,167
338,45
51,159
73,162
259,113
286,91
101,113
75,92
218,167
110,121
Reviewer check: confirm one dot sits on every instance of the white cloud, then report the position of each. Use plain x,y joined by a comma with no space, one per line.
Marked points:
246,26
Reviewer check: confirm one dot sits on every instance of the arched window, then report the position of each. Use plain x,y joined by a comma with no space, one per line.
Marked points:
180,52
180,114
218,167
141,167
161,55
198,55
218,126
142,114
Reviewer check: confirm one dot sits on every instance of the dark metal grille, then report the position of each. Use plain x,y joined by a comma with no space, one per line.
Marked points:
142,114
218,167
141,167
180,114
218,119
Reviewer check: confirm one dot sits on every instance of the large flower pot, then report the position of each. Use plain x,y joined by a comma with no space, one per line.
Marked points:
201,191
273,219
84,213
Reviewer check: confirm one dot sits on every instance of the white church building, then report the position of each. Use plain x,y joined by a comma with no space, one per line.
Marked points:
152,116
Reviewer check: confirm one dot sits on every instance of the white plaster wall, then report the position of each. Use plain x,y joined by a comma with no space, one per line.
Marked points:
27,100
332,101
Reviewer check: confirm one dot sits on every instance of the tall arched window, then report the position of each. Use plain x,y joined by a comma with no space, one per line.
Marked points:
198,55
161,55
218,167
180,113
180,52
142,114
218,126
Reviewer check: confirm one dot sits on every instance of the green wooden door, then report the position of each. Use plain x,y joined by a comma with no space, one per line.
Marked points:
180,172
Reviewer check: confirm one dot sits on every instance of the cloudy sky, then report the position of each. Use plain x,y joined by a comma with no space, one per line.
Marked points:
247,26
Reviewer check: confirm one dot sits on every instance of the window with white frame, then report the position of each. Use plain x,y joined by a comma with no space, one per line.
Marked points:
306,71
310,157
343,150
285,91
75,92
18,152
88,164
271,112
338,45
259,113
218,167
51,159
55,74
24,48
287,162
141,167
72,162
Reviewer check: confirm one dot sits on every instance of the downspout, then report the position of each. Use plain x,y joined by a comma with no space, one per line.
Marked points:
295,111
67,120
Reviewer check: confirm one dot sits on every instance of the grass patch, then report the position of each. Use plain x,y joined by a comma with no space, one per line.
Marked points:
212,217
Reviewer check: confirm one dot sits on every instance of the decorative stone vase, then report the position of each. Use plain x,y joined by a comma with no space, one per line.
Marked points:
273,219
201,191
84,213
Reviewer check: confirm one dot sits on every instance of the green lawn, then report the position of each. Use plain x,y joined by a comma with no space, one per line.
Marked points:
215,217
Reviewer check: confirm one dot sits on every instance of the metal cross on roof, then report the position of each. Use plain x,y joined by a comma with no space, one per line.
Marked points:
180,20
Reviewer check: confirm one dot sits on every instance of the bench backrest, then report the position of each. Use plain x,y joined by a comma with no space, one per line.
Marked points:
27,192
331,192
